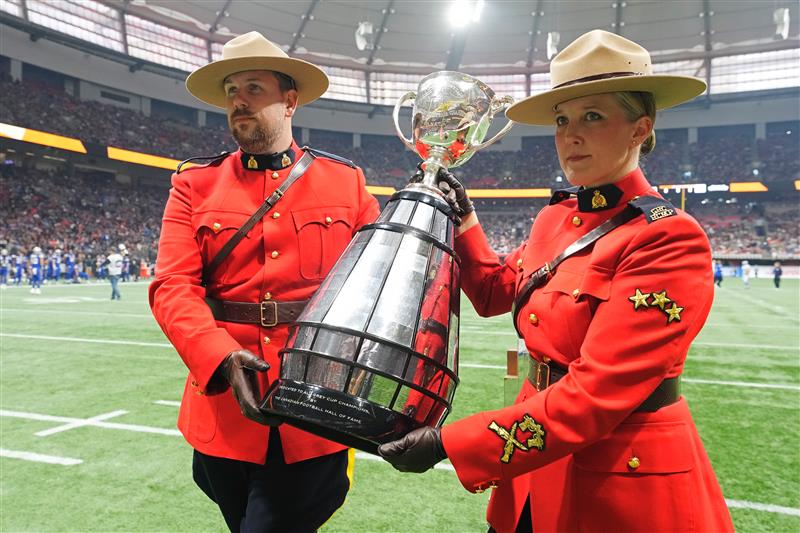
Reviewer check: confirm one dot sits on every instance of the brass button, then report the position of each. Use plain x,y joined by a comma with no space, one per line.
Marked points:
268,296
275,175
480,489
199,392
275,254
328,220
194,383
519,263
546,359
266,340
634,463
576,221
576,293
216,226
533,319
276,215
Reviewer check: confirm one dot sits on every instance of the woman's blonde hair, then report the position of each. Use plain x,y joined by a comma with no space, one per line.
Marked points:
636,105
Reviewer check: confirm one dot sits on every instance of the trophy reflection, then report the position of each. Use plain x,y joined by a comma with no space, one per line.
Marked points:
374,354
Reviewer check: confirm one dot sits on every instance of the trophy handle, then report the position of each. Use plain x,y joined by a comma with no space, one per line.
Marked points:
411,95
498,104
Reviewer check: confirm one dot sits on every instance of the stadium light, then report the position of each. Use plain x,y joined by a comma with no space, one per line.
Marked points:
464,12
553,38
781,18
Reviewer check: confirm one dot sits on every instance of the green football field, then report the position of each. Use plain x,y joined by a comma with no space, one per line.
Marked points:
89,391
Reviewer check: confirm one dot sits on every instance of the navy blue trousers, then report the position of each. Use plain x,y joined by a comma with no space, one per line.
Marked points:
274,497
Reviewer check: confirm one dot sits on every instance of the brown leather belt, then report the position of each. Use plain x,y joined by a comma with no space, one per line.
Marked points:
542,375
267,314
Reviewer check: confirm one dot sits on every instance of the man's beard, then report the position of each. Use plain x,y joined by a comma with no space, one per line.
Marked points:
259,140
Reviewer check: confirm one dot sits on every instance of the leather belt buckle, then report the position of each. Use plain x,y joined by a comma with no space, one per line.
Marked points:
542,377
263,308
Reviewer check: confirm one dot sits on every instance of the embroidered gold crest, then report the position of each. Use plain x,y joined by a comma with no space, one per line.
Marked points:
658,300
598,200
252,163
509,436
285,160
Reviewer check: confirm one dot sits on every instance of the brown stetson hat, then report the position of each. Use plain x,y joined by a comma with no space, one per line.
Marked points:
253,51
602,62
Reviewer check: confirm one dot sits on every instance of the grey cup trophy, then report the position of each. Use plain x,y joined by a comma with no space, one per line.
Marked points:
374,354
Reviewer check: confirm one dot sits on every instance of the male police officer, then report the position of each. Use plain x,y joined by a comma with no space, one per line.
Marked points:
229,324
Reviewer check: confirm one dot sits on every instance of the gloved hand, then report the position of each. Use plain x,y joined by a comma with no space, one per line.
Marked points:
417,452
453,191
239,369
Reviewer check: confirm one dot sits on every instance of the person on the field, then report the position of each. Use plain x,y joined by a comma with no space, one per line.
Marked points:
608,292
777,272
228,324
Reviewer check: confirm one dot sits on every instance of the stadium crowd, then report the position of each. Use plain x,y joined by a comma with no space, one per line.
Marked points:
720,155
60,210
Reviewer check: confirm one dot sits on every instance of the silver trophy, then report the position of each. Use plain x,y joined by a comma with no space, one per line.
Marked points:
374,354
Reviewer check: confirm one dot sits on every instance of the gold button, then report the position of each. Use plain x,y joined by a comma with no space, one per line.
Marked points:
519,263
194,383
275,254
266,340
576,293
546,359
328,220
576,221
276,215
216,226
268,296
480,489
634,463
199,392
275,175
533,319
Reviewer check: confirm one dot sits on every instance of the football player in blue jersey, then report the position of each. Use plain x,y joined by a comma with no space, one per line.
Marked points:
5,264
36,265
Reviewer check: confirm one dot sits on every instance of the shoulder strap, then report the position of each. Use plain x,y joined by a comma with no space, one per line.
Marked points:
328,155
211,159
298,170
546,272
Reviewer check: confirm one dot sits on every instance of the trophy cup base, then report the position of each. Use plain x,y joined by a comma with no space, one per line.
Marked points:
336,416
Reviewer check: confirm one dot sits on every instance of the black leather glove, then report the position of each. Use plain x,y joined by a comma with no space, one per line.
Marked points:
239,369
417,452
453,190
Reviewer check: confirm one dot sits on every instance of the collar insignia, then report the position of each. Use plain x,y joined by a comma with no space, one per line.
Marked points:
658,300
599,198
509,436
276,161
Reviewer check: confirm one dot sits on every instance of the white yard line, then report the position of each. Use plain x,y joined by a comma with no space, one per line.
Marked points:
89,422
63,312
169,403
765,507
39,458
91,341
81,423
738,345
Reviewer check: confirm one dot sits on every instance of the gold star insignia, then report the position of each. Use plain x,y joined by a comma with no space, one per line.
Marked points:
639,299
674,313
660,299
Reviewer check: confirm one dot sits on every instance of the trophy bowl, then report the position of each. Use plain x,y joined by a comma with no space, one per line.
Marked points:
374,354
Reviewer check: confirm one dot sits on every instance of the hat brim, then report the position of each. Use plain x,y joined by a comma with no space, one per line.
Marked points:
667,90
206,85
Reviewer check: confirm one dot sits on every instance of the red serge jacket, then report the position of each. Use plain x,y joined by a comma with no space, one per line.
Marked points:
284,258
620,315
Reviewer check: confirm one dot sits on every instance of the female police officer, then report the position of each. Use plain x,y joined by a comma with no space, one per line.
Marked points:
608,292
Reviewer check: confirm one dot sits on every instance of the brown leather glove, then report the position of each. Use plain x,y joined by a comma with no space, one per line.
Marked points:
239,369
417,452
453,190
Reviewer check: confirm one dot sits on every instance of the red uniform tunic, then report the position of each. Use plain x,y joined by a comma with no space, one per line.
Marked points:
283,258
620,315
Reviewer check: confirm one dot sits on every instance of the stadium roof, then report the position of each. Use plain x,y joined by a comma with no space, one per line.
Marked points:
510,36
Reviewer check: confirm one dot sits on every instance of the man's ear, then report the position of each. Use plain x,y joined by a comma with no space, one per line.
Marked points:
291,102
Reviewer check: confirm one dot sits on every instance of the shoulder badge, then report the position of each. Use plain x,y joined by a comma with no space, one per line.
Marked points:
327,155
654,208
210,160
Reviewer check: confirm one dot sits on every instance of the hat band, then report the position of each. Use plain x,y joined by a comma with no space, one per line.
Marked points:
598,77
